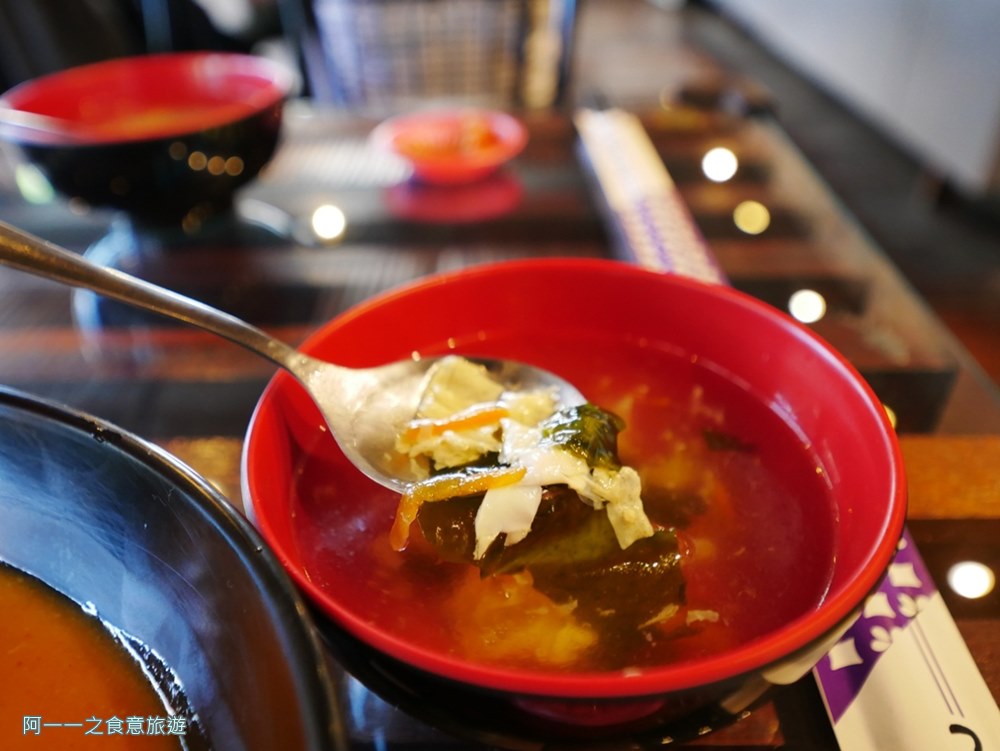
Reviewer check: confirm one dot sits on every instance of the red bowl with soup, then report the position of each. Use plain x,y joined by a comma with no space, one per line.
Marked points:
760,449
166,137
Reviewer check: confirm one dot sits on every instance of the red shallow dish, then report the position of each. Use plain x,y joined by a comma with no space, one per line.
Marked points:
529,311
447,147
160,136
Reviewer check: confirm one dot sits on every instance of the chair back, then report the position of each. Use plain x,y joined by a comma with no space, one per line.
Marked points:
392,55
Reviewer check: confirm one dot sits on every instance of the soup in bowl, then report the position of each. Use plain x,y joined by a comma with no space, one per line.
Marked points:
760,452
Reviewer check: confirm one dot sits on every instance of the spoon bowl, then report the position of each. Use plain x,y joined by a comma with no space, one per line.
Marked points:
364,408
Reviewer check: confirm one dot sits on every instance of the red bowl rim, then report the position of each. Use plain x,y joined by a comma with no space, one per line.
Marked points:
772,649
277,83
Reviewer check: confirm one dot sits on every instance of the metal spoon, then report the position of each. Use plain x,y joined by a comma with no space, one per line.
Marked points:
365,409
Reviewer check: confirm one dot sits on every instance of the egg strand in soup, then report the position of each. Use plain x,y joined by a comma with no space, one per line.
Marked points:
581,563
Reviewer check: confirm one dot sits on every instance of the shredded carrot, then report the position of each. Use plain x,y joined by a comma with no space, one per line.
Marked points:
443,487
476,417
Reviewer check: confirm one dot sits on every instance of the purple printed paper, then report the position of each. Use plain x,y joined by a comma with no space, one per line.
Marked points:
901,596
902,676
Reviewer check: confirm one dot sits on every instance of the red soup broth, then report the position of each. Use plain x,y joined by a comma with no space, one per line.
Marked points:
65,681
755,519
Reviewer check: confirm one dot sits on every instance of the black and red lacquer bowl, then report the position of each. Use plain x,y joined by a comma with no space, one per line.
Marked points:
163,137
587,320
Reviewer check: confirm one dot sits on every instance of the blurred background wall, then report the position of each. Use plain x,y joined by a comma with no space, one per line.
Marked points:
925,71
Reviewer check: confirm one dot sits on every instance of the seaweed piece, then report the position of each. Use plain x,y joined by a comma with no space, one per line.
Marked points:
573,555
566,532
717,440
587,431
672,507
450,526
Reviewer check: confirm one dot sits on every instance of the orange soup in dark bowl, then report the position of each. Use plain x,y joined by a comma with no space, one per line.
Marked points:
134,594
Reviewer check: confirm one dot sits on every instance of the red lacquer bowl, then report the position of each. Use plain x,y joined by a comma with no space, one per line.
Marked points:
453,146
159,136
323,518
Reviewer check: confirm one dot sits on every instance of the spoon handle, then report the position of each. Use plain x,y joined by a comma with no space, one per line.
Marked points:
26,252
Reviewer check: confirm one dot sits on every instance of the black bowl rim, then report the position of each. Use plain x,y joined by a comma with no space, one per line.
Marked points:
305,642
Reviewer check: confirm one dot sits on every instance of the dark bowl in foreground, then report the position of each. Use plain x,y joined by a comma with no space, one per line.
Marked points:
165,137
588,320
116,524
